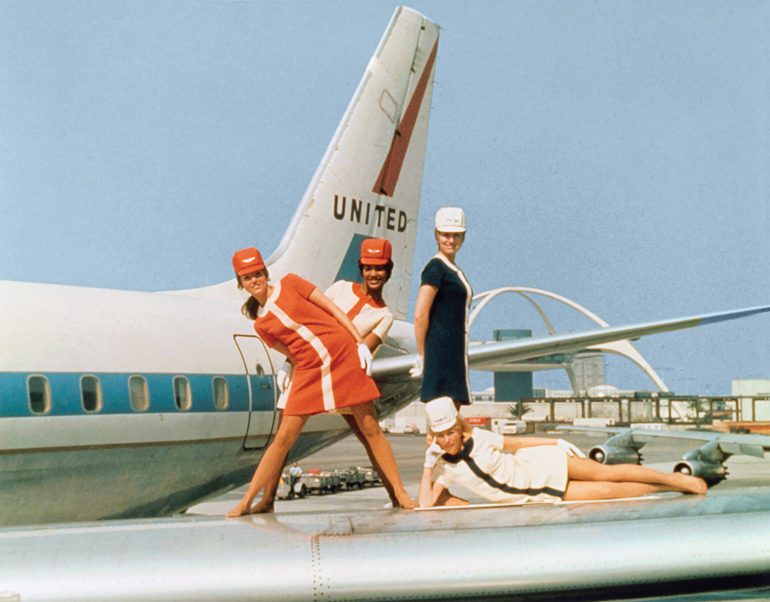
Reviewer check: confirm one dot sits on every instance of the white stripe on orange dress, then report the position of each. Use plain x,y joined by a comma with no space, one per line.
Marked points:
367,315
327,373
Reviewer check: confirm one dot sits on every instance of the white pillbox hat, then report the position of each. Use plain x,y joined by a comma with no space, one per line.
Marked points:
442,414
450,219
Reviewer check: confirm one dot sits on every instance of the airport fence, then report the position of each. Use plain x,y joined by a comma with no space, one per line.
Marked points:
698,410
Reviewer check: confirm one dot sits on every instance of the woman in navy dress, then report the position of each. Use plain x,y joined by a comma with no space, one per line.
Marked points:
441,314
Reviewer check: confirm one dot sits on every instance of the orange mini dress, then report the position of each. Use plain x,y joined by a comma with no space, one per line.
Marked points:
327,372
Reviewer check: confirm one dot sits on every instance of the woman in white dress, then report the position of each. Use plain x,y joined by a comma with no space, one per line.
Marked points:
526,469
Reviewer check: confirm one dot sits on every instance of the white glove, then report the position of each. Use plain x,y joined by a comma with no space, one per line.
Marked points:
416,370
366,358
432,454
283,378
571,449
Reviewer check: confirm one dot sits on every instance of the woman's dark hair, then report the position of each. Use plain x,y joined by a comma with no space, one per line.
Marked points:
250,308
388,269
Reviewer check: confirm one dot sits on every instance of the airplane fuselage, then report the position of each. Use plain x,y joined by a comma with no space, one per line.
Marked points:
139,404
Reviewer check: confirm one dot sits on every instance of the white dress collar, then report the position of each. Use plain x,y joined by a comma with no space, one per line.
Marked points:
461,275
448,263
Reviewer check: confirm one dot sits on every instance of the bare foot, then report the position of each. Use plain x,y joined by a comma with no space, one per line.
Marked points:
456,501
240,510
406,503
690,484
263,507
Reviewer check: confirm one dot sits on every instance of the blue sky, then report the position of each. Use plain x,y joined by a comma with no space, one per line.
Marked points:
617,153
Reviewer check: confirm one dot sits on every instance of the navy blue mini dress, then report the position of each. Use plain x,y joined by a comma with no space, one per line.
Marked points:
445,372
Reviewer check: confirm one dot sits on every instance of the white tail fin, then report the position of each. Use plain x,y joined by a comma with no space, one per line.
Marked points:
368,182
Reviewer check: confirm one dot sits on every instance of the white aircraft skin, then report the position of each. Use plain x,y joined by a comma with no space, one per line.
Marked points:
570,551
64,459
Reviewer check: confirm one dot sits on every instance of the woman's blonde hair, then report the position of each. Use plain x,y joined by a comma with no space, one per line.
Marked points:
461,422
436,233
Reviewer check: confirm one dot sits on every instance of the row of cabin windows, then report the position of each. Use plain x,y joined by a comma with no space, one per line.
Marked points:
39,393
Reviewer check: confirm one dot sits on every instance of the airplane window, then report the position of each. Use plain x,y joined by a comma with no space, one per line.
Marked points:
139,393
39,394
221,393
260,370
91,393
182,394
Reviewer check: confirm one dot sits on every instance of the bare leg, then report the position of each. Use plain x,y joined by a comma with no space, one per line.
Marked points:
379,448
272,462
580,469
604,490
267,501
447,499
386,483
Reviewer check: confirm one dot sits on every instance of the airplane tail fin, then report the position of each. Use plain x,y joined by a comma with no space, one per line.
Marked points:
368,182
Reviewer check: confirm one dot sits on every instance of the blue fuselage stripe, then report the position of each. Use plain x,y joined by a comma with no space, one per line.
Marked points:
66,395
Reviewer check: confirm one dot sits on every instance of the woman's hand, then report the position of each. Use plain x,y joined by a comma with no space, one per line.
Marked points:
429,492
283,378
366,358
571,449
416,370
432,454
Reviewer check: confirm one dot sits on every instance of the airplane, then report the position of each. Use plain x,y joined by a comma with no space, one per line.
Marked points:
123,404
707,461
135,406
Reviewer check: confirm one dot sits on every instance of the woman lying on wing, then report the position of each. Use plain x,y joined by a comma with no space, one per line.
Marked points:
525,469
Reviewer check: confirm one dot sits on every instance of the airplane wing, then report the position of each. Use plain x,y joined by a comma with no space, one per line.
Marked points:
484,354
729,443
706,461
675,546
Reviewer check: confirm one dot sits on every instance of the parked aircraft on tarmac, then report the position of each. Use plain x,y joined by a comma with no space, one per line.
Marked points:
126,404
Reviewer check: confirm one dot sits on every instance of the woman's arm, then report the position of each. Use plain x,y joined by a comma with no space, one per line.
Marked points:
514,444
425,496
378,332
322,301
372,341
430,491
425,298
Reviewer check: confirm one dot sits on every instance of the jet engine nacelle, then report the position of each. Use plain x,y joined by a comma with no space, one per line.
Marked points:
705,462
710,472
610,454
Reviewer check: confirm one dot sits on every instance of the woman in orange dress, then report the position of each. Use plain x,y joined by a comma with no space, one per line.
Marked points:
363,303
330,362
